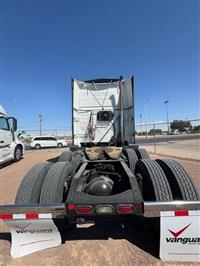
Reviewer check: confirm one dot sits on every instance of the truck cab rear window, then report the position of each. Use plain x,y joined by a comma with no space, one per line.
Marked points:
104,116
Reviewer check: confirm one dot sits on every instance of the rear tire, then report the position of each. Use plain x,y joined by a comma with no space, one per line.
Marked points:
73,158
180,182
132,158
30,187
66,156
155,183
55,184
75,162
142,154
155,187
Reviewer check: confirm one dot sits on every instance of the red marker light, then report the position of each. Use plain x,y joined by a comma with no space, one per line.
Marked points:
124,208
70,206
87,209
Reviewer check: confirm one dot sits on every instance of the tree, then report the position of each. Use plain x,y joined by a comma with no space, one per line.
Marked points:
196,129
157,131
180,125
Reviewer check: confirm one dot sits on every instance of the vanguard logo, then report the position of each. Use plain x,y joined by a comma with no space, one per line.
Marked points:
33,231
185,240
22,230
176,234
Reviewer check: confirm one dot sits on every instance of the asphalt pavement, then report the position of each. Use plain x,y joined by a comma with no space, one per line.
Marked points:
165,138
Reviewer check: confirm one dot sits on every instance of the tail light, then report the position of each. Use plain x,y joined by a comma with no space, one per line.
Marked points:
84,209
124,208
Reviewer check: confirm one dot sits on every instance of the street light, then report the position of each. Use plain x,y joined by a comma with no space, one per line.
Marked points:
141,123
145,112
166,102
40,122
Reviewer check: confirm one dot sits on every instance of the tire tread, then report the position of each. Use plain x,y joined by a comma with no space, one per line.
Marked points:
174,170
30,187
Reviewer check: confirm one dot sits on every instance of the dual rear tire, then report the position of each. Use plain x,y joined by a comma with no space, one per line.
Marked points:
160,180
164,180
47,182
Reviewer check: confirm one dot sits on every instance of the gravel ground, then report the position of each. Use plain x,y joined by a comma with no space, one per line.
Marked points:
105,244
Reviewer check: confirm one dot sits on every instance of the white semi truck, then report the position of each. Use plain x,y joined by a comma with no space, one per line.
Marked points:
10,147
105,176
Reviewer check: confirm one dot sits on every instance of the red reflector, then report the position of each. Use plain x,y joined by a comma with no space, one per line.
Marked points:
124,208
32,216
84,209
70,206
6,217
181,213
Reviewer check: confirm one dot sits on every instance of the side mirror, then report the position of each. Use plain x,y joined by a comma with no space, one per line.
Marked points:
13,123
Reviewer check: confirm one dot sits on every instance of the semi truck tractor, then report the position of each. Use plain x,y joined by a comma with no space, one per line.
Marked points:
10,146
105,176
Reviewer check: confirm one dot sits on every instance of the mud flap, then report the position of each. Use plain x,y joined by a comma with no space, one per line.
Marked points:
180,236
29,236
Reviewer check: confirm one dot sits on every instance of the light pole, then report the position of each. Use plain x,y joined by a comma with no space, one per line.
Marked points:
145,112
166,102
40,122
141,123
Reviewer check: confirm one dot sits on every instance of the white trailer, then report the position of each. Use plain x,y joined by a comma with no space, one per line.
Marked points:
10,147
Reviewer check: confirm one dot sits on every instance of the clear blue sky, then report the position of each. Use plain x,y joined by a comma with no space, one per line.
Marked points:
45,43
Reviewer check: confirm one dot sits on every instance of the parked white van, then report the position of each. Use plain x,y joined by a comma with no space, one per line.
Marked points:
10,146
38,142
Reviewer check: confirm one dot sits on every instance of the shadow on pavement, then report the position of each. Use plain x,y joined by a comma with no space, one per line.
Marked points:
144,238
5,236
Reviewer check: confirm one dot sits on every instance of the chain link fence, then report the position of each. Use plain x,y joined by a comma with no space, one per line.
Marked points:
179,138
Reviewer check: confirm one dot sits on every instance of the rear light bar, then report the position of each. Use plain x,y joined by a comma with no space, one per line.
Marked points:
100,209
124,208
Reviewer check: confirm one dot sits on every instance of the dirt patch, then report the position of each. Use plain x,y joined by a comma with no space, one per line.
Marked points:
100,244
